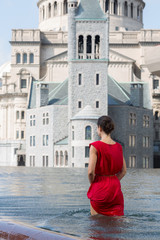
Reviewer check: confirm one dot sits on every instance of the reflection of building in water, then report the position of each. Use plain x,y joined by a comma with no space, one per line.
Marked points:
38,81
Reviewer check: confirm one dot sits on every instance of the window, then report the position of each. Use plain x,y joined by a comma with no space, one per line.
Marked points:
132,161
138,13
32,161
156,115
72,135
86,152
22,134
61,158
88,133
66,158
145,121
145,162
106,5
34,141
31,58
23,83
17,134
17,114
89,44
97,79
45,118
126,9
30,141
79,79
18,58
24,57
65,7
55,8
15,151
131,10
45,161
80,46
57,158
115,7
22,115
49,10
97,104
72,152
86,165
145,142
132,141
79,104
43,13
132,119
97,47
45,140
32,120
155,83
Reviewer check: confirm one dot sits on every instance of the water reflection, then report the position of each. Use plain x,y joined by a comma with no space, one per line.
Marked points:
55,199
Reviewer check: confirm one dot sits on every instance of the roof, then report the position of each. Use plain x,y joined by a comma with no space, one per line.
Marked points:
90,9
64,141
87,113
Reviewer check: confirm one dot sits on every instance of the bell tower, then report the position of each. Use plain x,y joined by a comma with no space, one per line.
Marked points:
88,64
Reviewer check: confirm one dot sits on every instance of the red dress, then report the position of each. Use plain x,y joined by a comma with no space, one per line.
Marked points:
105,193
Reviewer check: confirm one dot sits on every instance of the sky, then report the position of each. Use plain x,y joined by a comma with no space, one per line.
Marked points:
21,14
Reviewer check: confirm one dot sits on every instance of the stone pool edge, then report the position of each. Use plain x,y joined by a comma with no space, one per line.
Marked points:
15,229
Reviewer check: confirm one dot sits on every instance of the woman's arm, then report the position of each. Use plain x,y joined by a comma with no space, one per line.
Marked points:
92,163
122,173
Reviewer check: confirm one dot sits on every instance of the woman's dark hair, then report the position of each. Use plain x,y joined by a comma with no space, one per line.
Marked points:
106,123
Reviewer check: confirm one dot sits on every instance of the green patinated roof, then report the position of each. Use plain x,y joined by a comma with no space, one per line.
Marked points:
62,142
90,9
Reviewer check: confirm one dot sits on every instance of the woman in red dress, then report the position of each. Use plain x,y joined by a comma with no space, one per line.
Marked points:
106,168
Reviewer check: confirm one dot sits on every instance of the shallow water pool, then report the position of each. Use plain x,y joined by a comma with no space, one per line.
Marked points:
55,199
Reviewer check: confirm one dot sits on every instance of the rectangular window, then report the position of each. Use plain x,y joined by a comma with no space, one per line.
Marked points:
15,151
86,165
44,140
22,115
79,79
132,161
31,123
72,135
23,83
46,161
47,140
34,141
86,152
97,104
72,152
145,162
155,83
47,121
33,161
146,142
17,114
34,122
79,104
132,141
43,161
145,121
22,134
132,119
30,161
17,134
97,79
31,141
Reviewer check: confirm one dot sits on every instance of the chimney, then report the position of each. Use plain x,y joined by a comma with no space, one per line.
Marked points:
137,94
42,91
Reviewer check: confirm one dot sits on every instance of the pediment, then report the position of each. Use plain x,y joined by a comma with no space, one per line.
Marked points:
119,58
61,57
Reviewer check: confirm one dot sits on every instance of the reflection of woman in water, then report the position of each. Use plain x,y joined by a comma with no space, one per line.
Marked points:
106,168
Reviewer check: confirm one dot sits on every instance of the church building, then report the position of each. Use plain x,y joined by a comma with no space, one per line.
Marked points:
87,59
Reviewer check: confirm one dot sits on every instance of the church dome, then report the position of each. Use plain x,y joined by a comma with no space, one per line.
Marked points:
124,14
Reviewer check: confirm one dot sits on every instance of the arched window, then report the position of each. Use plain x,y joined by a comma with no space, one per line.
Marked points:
55,8
57,158
66,158
49,10
131,10
126,9
61,158
18,58
24,57
88,133
106,5
80,44
43,13
97,46
65,6
115,7
31,58
89,47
